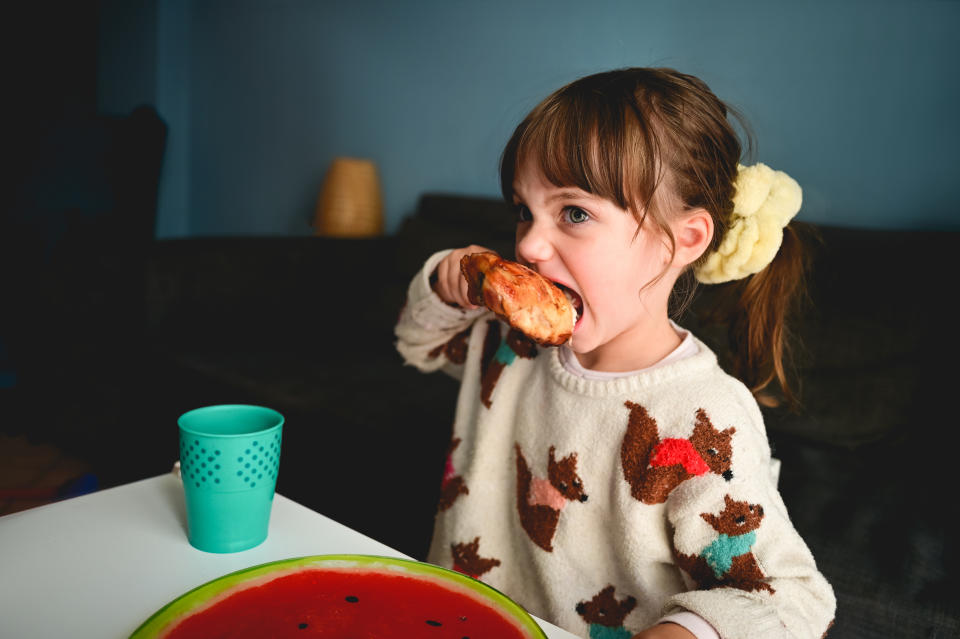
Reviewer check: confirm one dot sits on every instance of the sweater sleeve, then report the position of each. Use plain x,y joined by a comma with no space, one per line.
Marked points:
431,334
750,572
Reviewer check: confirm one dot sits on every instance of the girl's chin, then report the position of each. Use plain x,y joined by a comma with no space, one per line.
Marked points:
580,342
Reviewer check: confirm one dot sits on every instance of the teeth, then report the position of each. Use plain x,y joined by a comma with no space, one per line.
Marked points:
573,303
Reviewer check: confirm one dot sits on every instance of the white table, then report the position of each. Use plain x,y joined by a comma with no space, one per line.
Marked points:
98,565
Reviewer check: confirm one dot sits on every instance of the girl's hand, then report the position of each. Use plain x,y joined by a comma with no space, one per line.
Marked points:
665,631
450,284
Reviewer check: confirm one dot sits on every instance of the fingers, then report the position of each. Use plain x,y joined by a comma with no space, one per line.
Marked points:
450,285
447,284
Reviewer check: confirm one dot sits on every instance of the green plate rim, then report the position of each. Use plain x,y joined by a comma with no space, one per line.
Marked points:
207,591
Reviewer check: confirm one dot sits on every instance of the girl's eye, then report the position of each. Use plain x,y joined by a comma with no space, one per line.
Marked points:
575,215
523,213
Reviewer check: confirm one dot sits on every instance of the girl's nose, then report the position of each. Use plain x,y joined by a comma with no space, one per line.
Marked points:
533,244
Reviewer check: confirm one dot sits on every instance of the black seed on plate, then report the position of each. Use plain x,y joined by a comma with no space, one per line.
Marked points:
463,618
433,623
353,599
302,626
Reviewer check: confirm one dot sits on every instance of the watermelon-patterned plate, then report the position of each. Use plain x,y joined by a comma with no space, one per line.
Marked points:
328,596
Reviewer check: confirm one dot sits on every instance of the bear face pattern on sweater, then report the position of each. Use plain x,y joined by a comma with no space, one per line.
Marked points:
728,560
654,467
540,500
498,354
605,614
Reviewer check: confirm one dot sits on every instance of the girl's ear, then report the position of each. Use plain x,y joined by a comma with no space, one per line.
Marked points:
693,233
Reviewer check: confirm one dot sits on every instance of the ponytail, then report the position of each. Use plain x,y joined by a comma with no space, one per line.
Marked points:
759,319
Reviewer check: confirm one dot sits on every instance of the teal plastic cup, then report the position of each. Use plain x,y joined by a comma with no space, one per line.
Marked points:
229,459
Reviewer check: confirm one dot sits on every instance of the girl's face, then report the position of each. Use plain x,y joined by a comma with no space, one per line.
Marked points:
595,249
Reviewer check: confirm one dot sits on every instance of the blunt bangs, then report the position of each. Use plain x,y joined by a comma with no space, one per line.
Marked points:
583,137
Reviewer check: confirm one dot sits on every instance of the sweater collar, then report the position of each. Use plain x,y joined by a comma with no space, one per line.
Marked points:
704,360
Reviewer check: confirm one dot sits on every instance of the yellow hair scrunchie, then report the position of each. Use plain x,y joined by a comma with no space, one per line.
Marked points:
764,202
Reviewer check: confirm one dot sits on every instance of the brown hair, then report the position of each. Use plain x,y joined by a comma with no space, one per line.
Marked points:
624,134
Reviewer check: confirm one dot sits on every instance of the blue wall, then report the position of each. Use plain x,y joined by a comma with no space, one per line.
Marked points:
858,101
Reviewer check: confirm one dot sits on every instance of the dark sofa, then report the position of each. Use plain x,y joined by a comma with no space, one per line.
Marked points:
304,324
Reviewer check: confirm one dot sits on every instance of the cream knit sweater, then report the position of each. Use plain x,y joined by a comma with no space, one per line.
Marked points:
601,505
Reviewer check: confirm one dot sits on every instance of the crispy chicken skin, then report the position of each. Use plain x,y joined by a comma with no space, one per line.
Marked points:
523,298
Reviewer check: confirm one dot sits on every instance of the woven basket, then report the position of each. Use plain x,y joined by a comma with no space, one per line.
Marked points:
350,203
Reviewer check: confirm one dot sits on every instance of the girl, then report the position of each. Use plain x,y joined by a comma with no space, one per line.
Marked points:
622,484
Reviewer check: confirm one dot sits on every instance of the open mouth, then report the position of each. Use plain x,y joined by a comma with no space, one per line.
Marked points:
575,300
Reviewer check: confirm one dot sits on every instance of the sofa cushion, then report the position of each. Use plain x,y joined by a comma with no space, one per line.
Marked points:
255,292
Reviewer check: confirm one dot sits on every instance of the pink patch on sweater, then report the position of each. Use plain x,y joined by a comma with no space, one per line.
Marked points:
673,451
448,471
542,493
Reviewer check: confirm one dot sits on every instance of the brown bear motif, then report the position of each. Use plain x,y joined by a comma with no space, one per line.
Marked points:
467,561
654,467
605,614
455,349
540,500
452,485
727,560
498,354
